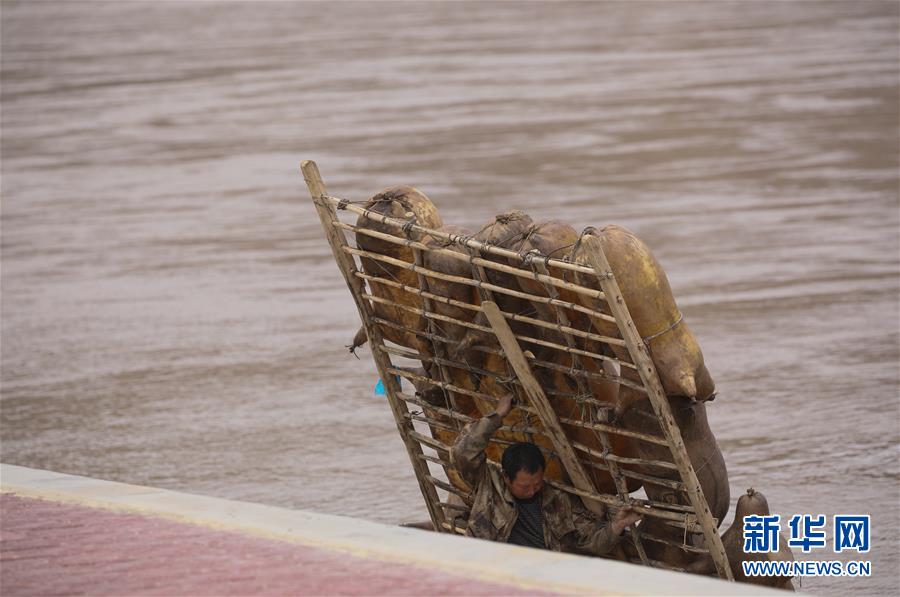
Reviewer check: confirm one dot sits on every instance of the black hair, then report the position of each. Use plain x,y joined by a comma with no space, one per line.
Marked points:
522,456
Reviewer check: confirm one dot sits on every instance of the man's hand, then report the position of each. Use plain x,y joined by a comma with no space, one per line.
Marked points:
625,517
504,405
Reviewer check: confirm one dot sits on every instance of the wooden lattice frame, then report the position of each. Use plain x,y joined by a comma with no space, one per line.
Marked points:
696,518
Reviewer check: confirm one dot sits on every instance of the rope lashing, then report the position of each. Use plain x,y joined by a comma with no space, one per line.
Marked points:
589,230
557,250
526,236
665,331
407,227
705,463
527,257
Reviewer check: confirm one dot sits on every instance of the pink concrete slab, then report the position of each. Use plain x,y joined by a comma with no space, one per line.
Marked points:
53,548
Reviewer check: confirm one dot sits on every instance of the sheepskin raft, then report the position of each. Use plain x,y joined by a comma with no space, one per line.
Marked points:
456,319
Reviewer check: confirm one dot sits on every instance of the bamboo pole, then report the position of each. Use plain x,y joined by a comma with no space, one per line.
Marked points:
441,425
453,238
437,349
480,284
338,244
601,406
486,295
670,543
690,525
664,505
459,416
432,423
670,483
647,371
434,459
611,459
453,529
589,374
614,502
480,262
511,316
407,353
443,447
439,338
448,487
428,441
442,384
622,459
612,429
465,419
539,402
490,350
646,479
481,328
602,465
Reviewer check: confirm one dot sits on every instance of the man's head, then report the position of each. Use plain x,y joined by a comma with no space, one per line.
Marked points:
523,470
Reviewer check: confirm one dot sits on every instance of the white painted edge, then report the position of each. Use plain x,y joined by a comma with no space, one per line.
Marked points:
482,560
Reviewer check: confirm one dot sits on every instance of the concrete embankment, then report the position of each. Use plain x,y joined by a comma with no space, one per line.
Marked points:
64,534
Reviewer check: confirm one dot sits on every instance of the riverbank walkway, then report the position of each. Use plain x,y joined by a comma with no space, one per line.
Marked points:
69,535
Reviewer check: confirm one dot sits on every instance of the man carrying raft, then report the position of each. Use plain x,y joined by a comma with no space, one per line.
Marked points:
511,502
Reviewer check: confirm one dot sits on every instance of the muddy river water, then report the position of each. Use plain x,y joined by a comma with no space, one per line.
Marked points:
171,314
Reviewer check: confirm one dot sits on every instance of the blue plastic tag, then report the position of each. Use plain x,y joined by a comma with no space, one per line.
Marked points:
380,389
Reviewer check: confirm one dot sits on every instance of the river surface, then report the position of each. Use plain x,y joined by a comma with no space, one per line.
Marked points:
172,316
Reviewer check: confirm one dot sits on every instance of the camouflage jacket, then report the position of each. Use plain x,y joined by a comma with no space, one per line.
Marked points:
568,525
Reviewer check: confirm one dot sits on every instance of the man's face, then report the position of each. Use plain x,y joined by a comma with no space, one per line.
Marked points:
526,485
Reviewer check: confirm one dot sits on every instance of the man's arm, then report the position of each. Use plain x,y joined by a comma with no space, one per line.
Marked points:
467,454
598,537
